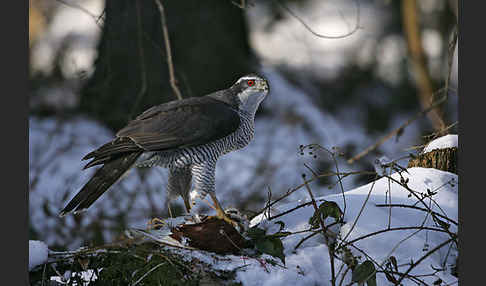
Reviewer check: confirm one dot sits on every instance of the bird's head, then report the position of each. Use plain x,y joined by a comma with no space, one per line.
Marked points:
251,90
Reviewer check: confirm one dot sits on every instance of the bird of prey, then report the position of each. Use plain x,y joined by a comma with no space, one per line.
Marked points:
186,136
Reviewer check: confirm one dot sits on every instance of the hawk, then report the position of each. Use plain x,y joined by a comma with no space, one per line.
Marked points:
185,136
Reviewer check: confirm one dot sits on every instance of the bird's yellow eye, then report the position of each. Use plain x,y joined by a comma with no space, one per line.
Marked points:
250,82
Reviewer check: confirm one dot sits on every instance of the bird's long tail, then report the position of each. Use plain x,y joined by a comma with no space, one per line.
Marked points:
100,182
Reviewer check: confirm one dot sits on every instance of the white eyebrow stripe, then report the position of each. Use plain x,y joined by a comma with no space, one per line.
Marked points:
247,78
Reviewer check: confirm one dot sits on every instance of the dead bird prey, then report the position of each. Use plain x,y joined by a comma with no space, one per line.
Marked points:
186,136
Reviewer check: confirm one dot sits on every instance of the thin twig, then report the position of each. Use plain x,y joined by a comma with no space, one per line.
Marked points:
403,240
422,258
414,193
399,129
389,202
450,60
323,175
305,238
289,211
173,82
411,27
43,274
229,239
337,174
143,89
148,272
324,230
437,134
360,211
356,28
344,275
84,10
417,208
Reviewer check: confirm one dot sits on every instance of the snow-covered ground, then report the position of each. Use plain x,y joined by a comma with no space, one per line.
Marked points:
406,245
364,213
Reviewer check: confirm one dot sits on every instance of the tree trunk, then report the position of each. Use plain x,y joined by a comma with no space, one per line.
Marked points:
442,159
209,47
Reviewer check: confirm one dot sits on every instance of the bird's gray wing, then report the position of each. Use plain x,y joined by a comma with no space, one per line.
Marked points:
176,124
183,123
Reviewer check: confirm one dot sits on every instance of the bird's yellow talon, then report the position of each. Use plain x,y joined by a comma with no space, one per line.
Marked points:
155,223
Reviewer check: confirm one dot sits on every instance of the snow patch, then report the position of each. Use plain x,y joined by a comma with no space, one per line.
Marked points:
312,256
447,141
87,276
38,252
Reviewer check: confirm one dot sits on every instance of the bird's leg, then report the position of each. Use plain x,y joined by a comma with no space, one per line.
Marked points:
204,174
209,204
187,204
155,223
220,211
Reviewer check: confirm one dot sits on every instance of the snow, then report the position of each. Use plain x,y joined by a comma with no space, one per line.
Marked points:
38,252
87,276
447,141
312,256
309,264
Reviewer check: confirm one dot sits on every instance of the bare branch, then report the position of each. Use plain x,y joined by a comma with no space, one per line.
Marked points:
360,211
173,81
400,128
143,89
424,82
356,28
97,19
450,59
324,230
148,272
417,208
422,258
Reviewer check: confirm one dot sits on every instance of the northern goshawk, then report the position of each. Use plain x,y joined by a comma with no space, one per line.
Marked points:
186,136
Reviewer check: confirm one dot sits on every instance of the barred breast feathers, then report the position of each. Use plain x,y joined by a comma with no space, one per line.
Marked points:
180,158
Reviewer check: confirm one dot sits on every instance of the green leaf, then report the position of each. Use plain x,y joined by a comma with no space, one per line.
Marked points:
255,233
272,246
365,272
371,281
325,210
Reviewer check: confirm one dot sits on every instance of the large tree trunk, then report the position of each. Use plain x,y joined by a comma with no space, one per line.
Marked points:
209,47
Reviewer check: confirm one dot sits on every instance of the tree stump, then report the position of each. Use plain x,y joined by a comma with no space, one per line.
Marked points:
443,159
